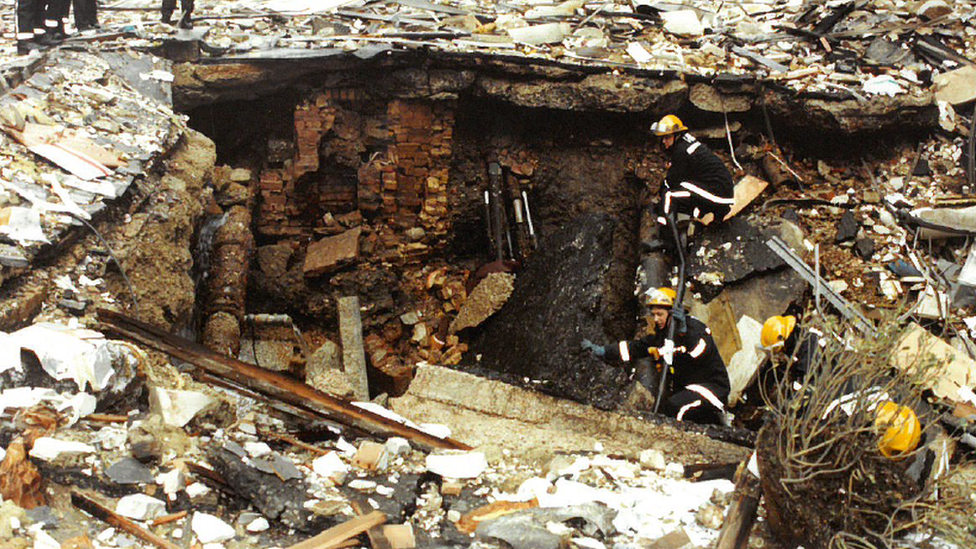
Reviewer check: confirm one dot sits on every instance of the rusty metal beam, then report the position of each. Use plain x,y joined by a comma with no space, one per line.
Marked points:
271,384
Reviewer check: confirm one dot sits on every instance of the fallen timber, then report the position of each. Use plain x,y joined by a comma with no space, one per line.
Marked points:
271,384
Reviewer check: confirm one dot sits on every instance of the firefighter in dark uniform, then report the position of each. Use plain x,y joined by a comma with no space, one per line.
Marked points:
37,23
186,6
799,347
697,182
698,386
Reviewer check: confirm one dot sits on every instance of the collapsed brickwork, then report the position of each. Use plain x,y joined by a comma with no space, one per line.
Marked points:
367,181
389,163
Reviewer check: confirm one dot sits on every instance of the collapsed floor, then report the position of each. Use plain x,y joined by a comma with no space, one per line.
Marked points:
255,237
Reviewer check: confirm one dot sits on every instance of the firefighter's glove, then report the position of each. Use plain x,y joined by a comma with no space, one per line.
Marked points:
654,354
678,317
593,348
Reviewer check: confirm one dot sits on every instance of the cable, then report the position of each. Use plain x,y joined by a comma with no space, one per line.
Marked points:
128,283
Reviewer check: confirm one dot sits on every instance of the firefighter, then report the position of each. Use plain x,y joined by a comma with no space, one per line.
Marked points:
37,22
186,6
86,14
800,347
698,380
697,183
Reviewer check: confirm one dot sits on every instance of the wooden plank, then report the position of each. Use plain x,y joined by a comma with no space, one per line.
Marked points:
336,535
273,384
742,512
746,190
377,539
103,513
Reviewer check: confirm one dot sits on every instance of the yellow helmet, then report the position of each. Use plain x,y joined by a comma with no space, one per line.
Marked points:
660,297
776,330
902,429
668,125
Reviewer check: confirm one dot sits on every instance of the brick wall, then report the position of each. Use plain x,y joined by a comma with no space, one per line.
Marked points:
396,154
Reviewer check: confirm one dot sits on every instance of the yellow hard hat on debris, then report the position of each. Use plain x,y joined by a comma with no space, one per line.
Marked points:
776,330
659,297
902,429
668,125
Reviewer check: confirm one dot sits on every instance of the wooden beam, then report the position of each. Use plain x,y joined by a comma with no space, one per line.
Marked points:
103,513
377,539
273,384
742,512
336,535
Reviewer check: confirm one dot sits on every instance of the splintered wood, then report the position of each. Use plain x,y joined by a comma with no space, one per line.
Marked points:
335,536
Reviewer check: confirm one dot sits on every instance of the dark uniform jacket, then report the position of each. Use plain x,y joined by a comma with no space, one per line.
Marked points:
696,358
693,162
803,346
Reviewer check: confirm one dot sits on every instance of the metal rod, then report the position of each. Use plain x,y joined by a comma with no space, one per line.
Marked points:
528,219
668,360
497,209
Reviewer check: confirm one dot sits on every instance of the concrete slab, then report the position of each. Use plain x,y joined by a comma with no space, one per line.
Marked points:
485,412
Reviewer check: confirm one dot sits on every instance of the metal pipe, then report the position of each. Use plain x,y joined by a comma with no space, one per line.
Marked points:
528,219
497,209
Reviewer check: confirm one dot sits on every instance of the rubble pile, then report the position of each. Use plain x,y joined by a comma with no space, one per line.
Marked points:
180,469
357,240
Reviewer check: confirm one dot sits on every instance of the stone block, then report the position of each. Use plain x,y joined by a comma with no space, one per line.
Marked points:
330,253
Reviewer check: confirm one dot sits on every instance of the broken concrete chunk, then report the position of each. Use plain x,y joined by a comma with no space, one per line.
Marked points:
846,227
140,507
259,524
332,252
957,86
708,98
331,467
210,529
653,460
744,364
50,449
963,219
677,539
710,516
536,35
371,456
172,482
487,298
465,465
520,531
864,247
177,408
683,23
129,471
952,369
397,446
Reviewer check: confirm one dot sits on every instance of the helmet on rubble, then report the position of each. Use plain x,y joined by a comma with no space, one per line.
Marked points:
668,125
902,430
776,330
659,297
